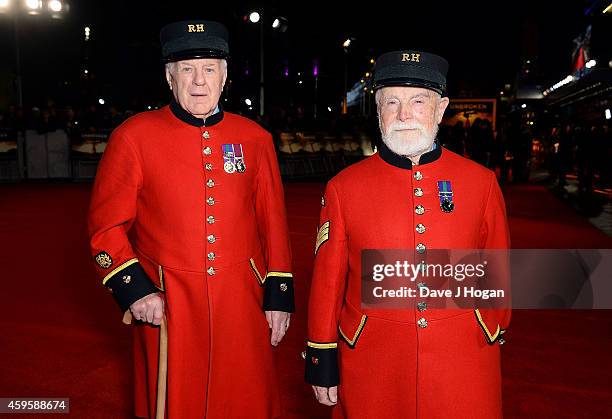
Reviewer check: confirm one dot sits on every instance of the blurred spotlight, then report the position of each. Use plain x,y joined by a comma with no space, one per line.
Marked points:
254,17
280,24
149,107
300,82
371,60
329,108
101,101
367,74
33,5
86,71
4,4
590,64
347,43
87,32
524,105
608,114
248,102
55,6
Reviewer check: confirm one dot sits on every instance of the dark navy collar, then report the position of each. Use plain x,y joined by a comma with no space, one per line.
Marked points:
404,162
188,118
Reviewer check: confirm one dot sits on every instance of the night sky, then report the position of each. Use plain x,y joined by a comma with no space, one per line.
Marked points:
483,44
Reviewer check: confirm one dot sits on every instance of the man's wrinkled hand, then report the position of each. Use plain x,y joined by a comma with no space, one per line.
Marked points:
149,309
326,395
278,321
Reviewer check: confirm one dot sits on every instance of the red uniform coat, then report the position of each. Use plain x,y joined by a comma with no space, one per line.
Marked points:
165,215
404,363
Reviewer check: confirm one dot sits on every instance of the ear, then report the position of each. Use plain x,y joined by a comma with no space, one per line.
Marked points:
169,78
224,78
442,105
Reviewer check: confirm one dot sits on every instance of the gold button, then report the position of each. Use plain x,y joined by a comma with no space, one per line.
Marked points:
422,323
420,248
210,201
418,192
419,209
127,279
210,183
418,175
211,256
210,219
211,271
420,228
207,151
206,135
283,287
208,166
211,238
422,306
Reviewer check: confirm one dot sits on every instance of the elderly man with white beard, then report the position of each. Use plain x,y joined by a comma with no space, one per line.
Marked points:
419,360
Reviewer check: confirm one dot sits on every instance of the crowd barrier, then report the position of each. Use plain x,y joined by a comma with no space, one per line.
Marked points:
54,155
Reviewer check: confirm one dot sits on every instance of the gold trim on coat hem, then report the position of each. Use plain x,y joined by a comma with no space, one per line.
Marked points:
491,337
352,342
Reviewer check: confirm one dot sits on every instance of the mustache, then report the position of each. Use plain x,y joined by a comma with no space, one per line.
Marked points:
399,126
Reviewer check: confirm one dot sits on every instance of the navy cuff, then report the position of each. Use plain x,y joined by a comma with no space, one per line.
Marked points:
278,294
322,366
130,285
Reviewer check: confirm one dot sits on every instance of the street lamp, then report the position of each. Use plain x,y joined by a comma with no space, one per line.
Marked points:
55,10
345,45
279,23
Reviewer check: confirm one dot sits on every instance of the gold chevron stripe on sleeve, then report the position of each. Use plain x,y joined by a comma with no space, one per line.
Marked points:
322,236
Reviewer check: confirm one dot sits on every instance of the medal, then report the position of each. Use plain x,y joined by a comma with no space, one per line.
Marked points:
229,167
229,164
233,159
445,193
240,166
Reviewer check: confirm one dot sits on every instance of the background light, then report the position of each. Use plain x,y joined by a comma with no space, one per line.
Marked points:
101,101
276,23
254,17
4,3
347,43
524,105
591,63
33,4
248,102
55,6
608,114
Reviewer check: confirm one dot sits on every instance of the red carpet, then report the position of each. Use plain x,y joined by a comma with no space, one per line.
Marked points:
61,334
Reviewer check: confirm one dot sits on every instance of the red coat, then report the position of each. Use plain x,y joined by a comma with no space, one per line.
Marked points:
166,215
404,363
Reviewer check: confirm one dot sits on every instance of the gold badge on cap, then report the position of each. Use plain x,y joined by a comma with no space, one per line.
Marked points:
104,260
195,28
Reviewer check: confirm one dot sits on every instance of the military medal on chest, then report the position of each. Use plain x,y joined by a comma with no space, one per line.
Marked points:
229,159
240,166
233,158
445,192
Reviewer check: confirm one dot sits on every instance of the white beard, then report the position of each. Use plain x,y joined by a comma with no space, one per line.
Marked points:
408,147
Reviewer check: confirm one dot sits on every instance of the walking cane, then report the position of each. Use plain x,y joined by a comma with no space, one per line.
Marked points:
162,368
